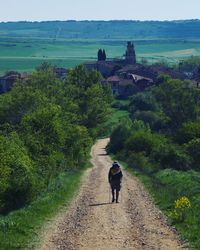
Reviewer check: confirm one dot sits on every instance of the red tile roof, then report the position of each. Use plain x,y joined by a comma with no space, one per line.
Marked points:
113,79
138,78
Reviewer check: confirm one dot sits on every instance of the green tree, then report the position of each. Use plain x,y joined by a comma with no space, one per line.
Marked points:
189,130
42,130
119,136
21,100
103,55
16,174
100,55
193,148
47,126
92,100
180,102
144,101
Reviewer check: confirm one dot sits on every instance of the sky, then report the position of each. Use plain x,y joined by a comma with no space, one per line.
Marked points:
41,10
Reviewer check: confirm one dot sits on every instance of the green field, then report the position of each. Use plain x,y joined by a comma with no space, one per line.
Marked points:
24,45
24,54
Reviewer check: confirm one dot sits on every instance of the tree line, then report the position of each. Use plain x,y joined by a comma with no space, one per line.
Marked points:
164,128
47,126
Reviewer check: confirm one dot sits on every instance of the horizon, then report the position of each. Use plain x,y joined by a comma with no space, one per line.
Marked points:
99,20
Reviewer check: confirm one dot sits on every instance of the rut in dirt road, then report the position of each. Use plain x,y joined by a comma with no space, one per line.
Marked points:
93,223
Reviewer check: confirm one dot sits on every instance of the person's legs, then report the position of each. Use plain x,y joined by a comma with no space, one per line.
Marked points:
113,195
117,196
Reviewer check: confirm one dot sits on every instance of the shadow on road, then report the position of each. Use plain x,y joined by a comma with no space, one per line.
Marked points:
100,204
102,154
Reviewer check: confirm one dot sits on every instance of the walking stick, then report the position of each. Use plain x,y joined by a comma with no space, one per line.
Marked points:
121,194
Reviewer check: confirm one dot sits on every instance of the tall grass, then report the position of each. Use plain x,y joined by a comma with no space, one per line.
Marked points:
21,229
115,117
168,185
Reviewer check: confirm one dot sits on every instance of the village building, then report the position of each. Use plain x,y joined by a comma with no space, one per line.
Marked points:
120,87
7,81
125,85
104,67
108,67
130,57
125,76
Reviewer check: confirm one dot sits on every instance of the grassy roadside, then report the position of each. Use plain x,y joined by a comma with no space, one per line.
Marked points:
168,185
116,116
21,229
175,192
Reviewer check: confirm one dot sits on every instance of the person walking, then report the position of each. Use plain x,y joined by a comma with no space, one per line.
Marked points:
114,178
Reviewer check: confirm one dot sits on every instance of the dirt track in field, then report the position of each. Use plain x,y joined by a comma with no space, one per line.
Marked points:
93,223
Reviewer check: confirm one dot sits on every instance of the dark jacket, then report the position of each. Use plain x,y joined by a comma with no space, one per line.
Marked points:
115,175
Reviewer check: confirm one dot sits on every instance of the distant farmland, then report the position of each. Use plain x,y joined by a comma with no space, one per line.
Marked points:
23,46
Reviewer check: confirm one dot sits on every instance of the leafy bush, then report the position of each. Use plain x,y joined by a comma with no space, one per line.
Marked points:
144,141
179,101
16,175
188,131
77,146
180,210
143,102
141,141
22,99
164,158
47,126
193,148
140,161
42,130
118,137
156,121
169,155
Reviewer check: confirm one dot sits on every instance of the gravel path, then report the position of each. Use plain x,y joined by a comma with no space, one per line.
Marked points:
93,223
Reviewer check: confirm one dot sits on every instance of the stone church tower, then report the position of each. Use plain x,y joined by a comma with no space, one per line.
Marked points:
130,57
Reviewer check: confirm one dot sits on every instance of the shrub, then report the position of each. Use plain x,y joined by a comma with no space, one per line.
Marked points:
156,120
77,145
179,102
140,142
140,161
16,179
118,137
144,141
193,148
158,149
139,125
143,102
180,210
171,156
55,121
43,135
189,131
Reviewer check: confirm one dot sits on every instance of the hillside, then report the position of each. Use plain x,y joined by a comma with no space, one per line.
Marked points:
187,29
25,45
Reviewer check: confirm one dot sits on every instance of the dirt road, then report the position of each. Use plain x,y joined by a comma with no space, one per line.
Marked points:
93,223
